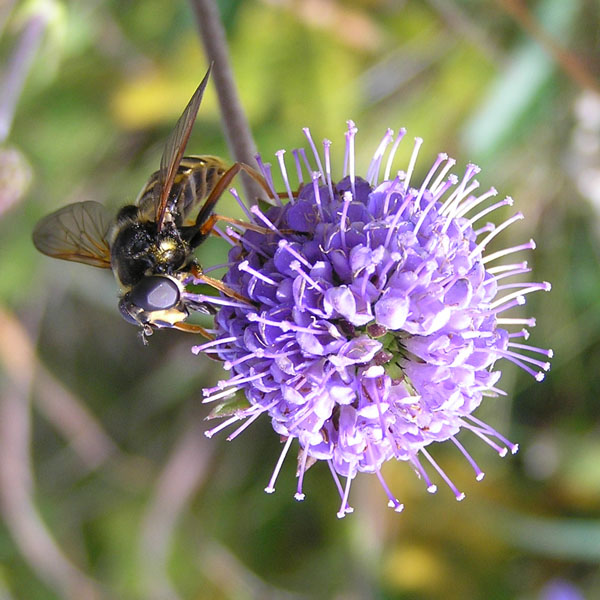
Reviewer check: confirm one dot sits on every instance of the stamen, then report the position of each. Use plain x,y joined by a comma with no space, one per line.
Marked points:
508,201
258,353
501,276
306,132
216,300
289,248
502,451
537,375
514,448
347,198
438,161
370,396
251,420
530,322
349,155
271,485
317,192
337,482
298,167
508,354
502,268
485,229
493,389
218,342
396,219
307,411
546,352
457,493
299,495
344,506
217,267
534,287
222,426
530,245
454,204
237,381
279,154
265,169
479,474
242,204
423,215
389,197
469,335
413,160
438,180
468,206
302,152
285,326
392,261
326,152
375,164
249,245
245,266
431,487
393,502
518,301
215,352
295,266
256,211
225,236
519,334
442,189
481,246
219,395
390,160
520,284
453,201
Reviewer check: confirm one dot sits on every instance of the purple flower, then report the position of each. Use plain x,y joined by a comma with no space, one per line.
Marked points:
375,320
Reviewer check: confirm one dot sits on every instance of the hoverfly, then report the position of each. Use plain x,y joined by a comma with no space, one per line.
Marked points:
149,245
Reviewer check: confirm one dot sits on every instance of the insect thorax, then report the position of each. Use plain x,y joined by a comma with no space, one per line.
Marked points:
139,250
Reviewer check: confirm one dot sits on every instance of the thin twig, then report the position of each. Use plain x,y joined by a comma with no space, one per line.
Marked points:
17,70
180,478
237,131
16,478
460,20
568,61
73,420
5,10
233,578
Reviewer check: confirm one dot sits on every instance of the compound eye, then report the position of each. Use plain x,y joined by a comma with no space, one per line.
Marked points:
124,307
155,293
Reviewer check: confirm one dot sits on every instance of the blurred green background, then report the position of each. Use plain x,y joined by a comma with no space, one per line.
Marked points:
108,487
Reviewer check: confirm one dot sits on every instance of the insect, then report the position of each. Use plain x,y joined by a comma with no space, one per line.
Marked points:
149,245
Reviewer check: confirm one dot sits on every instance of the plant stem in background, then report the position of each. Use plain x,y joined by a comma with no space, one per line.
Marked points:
237,131
17,70
568,61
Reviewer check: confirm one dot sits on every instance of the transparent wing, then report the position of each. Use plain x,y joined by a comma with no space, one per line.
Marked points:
76,232
174,149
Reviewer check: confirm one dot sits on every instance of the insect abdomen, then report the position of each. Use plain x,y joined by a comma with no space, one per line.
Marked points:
195,179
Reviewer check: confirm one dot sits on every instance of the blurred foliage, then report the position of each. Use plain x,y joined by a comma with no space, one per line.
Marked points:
132,495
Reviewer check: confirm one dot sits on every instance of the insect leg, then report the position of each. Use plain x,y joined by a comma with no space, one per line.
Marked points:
209,224
193,328
196,271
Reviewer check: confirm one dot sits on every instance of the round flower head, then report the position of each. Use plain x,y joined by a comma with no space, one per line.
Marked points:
374,319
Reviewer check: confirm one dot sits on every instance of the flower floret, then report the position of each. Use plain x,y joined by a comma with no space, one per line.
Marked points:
373,321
